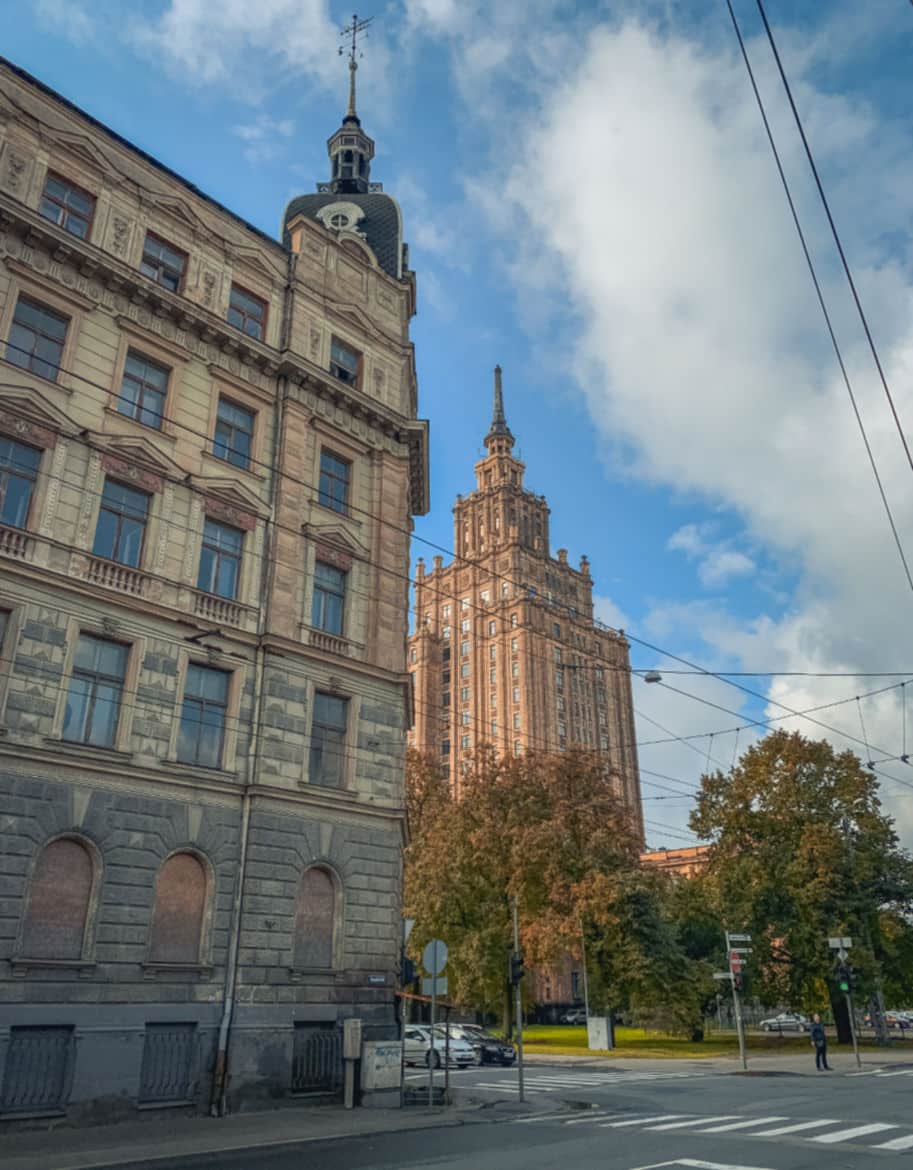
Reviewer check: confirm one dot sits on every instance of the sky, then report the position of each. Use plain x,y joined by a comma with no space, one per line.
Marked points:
590,201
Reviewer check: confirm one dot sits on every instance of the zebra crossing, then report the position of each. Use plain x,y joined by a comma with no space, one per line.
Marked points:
822,1131
883,1073
555,1082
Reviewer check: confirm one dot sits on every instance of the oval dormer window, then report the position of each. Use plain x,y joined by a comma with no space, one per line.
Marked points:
339,220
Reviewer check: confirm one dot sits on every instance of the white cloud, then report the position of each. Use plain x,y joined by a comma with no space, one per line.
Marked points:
648,234
67,18
265,137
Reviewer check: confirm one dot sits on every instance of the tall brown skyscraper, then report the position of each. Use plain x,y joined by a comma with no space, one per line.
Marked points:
506,650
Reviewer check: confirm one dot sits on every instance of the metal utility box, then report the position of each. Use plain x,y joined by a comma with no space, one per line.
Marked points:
351,1039
599,1033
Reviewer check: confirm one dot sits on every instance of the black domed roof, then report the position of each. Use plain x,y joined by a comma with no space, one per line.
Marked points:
381,226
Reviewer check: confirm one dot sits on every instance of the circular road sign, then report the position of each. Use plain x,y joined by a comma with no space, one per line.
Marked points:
434,956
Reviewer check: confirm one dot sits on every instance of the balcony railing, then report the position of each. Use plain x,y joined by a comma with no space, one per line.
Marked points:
14,543
114,576
219,610
329,642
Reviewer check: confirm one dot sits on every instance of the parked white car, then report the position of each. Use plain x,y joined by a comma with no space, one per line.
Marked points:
417,1042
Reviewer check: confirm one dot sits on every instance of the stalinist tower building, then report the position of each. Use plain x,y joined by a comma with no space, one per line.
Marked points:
506,650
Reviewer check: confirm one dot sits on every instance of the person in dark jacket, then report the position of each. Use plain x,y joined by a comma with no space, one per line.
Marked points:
819,1039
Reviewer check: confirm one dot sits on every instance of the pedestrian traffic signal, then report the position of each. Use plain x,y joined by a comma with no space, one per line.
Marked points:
408,975
516,969
843,978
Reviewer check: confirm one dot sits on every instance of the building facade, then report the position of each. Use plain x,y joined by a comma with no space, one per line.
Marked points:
506,650
209,457
678,863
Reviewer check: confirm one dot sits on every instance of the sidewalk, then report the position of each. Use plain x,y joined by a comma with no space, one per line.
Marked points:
763,1061
161,1138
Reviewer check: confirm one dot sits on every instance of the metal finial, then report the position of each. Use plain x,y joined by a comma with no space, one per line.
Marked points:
354,30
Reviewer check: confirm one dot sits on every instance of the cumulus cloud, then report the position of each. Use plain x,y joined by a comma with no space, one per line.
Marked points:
265,138
648,232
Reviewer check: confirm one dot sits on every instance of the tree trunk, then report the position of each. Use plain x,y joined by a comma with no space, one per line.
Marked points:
841,1018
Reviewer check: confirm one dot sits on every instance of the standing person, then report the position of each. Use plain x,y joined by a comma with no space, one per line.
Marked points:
819,1040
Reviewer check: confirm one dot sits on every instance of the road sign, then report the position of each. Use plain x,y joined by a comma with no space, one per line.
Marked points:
735,962
434,985
733,938
837,944
843,955
377,980
408,924
722,975
434,956
741,951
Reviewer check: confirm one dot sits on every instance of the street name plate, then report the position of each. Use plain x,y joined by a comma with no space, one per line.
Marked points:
739,937
837,944
722,974
434,985
742,951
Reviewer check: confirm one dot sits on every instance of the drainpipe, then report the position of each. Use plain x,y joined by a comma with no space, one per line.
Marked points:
217,1105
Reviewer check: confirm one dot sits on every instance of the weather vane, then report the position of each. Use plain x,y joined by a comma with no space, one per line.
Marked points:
355,29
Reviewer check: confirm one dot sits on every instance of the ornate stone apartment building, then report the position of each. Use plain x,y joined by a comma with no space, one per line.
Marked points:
506,650
209,457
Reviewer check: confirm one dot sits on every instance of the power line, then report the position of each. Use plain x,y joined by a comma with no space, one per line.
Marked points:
836,235
820,295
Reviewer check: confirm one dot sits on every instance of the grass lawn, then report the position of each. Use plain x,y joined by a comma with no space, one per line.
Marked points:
564,1040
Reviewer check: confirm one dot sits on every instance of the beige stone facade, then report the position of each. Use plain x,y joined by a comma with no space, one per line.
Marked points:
687,862
159,354
506,651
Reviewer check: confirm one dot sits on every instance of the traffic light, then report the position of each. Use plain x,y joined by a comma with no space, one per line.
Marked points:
843,978
408,975
516,969
737,980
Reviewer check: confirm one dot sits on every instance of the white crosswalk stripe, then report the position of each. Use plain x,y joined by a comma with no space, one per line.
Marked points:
551,1082
821,1130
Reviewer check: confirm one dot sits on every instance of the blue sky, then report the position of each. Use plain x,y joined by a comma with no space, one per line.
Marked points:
589,201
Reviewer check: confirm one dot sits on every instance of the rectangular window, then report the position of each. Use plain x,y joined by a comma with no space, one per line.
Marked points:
329,598
36,339
334,482
515,669
493,675
464,670
517,748
464,649
562,729
162,263
561,702
557,650
493,652
121,526
413,656
345,362
559,679
220,559
445,699
493,701
494,727
464,626
464,694
445,747
505,589
445,654
492,627
94,695
513,645
445,633
445,613
516,721
328,737
143,390
516,695
234,434
556,630
202,734
465,718
485,595
18,473
247,312
69,207
465,743
604,742
464,603
513,621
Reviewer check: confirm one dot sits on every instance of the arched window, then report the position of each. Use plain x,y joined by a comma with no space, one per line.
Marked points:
315,920
58,902
177,917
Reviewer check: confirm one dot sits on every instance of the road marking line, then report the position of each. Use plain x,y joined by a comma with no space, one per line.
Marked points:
904,1072
594,1116
845,1135
901,1143
640,1120
693,1121
782,1129
731,1125
564,1118
697,1165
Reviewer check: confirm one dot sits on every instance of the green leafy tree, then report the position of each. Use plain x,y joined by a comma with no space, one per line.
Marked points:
801,850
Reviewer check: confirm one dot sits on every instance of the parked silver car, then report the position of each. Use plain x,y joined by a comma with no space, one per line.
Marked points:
418,1050
786,1022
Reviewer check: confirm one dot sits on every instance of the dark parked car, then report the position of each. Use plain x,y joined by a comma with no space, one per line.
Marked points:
489,1048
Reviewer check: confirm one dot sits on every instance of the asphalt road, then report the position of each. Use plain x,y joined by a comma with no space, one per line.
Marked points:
622,1120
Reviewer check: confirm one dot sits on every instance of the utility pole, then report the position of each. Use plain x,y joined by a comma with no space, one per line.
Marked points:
845,980
586,988
880,1023
516,975
734,954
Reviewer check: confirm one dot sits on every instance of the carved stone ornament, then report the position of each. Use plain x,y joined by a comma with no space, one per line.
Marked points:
209,288
23,428
315,343
221,510
15,168
331,555
119,236
133,474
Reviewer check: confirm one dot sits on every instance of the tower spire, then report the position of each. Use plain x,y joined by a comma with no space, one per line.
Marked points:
355,29
350,149
499,437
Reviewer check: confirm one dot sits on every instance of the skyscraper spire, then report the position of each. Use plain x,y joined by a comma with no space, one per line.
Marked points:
499,436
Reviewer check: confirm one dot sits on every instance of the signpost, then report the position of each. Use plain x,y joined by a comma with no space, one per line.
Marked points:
518,963
842,947
434,960
735,972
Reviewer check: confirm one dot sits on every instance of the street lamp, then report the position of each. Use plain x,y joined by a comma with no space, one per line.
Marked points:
653,676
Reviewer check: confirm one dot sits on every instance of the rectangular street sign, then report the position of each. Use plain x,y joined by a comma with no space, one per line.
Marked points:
722,974
742,951
837,944
434,985
739,937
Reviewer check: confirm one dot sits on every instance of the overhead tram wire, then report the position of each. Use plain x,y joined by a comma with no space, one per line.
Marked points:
820,295
830,219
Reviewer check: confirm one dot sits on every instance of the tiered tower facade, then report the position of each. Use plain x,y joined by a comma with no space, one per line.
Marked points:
506,650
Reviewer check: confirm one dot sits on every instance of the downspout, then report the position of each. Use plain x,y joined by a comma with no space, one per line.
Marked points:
217,1104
